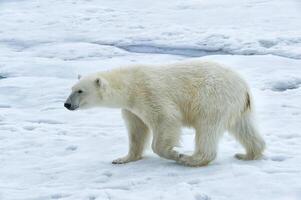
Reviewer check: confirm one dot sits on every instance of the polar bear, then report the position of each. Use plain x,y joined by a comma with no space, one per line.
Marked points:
161,99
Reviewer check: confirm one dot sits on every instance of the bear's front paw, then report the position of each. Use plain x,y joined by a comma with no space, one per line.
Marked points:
192,161
125,159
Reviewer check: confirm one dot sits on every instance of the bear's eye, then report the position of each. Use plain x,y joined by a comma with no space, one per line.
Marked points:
79,91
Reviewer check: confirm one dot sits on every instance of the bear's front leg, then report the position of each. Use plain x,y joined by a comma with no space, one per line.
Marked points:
165,138
138,135
207,137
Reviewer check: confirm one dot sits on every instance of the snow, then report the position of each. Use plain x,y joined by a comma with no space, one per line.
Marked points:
47,152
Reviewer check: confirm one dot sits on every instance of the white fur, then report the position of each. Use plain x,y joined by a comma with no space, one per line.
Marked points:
199,94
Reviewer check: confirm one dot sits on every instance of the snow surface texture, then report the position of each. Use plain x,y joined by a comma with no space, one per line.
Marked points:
47,152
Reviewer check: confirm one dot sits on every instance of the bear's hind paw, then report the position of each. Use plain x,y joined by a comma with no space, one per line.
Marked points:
241,156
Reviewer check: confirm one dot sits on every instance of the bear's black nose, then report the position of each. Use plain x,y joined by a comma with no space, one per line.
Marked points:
67,105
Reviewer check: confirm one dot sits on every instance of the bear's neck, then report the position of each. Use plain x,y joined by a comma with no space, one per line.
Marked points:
118,93
118,98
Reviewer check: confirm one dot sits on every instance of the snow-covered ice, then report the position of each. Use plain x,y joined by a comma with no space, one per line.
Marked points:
47,152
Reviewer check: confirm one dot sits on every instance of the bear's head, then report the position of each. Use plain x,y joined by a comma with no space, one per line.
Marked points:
88,92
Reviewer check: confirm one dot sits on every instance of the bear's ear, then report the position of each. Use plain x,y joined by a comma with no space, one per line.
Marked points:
79,77
101,83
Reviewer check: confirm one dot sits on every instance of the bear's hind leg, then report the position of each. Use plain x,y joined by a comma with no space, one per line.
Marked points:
138,137
246,133
206,144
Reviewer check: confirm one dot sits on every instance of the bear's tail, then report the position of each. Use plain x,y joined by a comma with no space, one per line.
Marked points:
248,103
